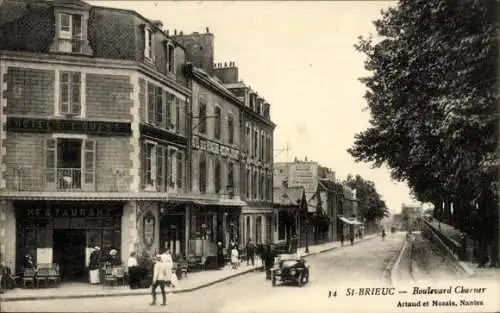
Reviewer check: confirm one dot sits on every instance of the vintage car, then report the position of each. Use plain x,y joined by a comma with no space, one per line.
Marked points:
290,268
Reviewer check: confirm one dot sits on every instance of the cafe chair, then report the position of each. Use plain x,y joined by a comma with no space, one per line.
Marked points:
29,277
119,273
109,278
42,277
53,276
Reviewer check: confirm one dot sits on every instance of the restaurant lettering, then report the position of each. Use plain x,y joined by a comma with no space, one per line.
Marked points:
70,212
21,124
215,148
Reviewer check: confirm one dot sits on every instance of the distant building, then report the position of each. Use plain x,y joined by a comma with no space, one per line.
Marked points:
411,216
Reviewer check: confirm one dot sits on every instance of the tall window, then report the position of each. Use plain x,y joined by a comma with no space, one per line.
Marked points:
217,176
262,145
150,164
170,104
217,123
202,118
70,33
148,44
255,143
230,129
172,164
262,186
180,170
70,163
170,57
203,173
254,185
248,140
155,105
160,168
177,114
71,95
230,175
248,183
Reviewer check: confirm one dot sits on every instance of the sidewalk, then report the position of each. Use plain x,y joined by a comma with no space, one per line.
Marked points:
469,266
194,281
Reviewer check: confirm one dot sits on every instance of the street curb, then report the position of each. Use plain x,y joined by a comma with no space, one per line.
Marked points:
391,268
136,293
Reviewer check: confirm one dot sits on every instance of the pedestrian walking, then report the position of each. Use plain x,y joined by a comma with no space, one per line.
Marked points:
383,234
250,252
95,256
161,275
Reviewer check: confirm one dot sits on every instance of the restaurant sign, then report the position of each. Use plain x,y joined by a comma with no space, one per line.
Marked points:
71,212
40,125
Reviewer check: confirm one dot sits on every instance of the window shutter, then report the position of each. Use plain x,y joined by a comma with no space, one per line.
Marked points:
159,168
144,164
76,83
65,92
180,170
90,156
173,165
177,114
168,168
50,160
170,106
153,164
151,103
159,106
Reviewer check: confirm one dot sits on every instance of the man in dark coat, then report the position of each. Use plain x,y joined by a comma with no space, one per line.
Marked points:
221,260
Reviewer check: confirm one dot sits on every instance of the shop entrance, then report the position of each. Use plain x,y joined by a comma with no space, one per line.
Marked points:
69,253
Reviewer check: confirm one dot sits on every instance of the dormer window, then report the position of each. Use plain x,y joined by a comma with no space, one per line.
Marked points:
148,43
170,56
70,33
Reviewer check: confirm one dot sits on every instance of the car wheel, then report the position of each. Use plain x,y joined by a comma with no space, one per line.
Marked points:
300,280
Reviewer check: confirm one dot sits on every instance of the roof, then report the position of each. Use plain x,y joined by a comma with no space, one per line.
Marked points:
235,85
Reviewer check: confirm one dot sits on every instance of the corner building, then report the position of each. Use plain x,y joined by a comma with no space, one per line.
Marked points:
245,172
93,137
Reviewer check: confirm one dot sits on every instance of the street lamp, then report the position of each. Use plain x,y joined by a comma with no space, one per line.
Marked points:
307,233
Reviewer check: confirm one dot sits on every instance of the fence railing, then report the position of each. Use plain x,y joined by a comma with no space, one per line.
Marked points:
70,45
445,243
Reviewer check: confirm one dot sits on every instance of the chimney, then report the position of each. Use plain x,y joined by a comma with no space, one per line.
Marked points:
157,24
181,33
175,32
306,159
207,30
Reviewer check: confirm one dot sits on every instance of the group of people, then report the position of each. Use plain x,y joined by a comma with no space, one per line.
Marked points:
99,260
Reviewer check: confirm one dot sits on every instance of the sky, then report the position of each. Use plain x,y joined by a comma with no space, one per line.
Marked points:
300,57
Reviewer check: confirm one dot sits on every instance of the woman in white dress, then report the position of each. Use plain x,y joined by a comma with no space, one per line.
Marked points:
235,257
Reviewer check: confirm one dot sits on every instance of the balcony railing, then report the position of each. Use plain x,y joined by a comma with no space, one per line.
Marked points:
29,178
70,45
69,178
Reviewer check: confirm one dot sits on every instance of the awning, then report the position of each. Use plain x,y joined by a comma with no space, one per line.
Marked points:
351,222
216,202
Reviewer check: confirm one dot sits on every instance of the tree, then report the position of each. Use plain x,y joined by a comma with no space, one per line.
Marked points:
433,97
371,206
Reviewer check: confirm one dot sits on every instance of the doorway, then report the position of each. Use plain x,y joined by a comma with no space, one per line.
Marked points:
69,253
